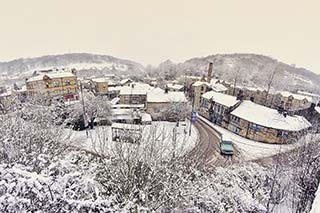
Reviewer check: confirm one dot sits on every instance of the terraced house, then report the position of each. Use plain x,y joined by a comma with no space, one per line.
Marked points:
251,120
61,84
264,124
217,106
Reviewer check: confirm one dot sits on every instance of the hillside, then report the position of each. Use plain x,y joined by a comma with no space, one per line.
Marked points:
90,63
254,70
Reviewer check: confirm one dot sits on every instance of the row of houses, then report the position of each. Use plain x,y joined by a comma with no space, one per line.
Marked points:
252,120
274,99
64,84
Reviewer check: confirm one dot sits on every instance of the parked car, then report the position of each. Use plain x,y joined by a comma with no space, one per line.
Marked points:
226,148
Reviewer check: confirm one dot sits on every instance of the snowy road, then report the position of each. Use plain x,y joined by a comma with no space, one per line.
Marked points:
207,151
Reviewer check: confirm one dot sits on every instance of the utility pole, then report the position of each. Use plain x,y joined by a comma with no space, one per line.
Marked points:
191,115
84,110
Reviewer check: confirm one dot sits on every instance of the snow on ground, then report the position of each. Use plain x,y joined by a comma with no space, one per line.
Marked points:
252,150
316,202
160,133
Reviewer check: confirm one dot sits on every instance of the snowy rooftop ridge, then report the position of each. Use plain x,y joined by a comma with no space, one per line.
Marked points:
268,117
308,94
219,87
223,99
158,95
175,86
135,89
51,75
101,80
199,83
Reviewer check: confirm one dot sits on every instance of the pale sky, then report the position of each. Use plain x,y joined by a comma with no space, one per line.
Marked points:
151,31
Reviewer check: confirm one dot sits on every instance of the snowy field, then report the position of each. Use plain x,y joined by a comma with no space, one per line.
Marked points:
160,135
252,150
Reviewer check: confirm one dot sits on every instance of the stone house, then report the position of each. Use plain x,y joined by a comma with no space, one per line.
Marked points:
53,84
292,102
260,123
158,99
135,93
99,86
216,107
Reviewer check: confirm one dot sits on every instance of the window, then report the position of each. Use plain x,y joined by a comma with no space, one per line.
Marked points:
282,134
156,110
235,119
67,82
235,129
204,103
256,127
56,84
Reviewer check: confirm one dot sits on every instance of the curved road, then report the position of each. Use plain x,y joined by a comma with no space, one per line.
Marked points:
207,152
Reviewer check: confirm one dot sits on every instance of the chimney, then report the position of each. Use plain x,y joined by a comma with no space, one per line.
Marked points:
209,72
285,113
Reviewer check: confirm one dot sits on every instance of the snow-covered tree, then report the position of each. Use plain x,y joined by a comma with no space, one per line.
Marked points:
177,111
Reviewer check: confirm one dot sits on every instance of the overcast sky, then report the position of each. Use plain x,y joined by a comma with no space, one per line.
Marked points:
151,31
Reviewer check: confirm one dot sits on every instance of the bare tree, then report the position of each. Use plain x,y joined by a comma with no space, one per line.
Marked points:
236,80
271,80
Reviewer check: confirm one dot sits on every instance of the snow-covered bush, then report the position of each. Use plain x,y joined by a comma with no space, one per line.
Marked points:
67,185
30,140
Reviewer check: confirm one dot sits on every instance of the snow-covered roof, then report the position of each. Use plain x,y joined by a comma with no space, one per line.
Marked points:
309,94
191,77
126,126
114,88
135,89
158,95
200,83
116,111
119,106
317,109
268,117
175,86
296,96
51,75
219,87
220,98
214,81
124,81
101,80
250,88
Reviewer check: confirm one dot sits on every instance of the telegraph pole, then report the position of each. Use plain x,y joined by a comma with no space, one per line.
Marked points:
192,113
84,109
